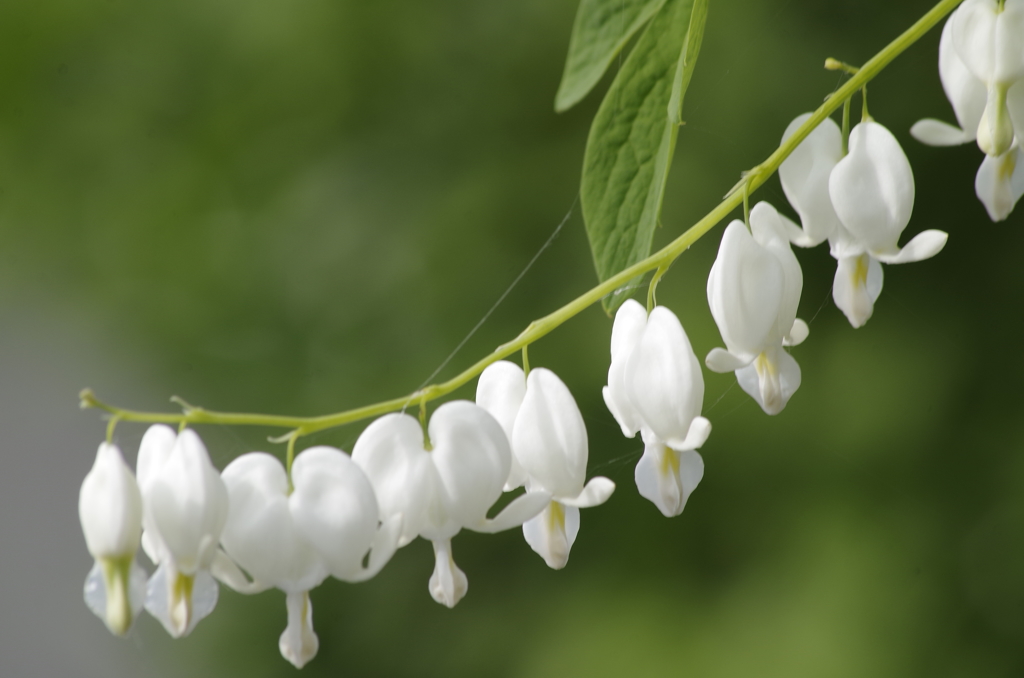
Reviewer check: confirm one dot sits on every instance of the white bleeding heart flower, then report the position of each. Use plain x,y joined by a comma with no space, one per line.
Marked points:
500,390
988,35
293,535
1000,182
655,386
443,484
804,176
872,190
110,510
185,507
965,92
753,291
549,446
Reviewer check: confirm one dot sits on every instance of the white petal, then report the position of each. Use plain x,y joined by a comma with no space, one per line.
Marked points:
110,506
260,533
298,643
995,132
630,321
519,510
227,572
154,450
334,507
1009,46
795,234
771,380
974,36
872,188
857,284
500,391
115,591
700,429
552,533
745,291
804,176
965,92
988,41
187,502
721,361
448,584
667,477
595,493
924,245
151,545
797,333
550,438
472,457
385,543
769,231
665,383
390,452
1000,183
937,133
180,601
1015,104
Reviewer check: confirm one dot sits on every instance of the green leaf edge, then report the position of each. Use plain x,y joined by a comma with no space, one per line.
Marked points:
683,72
581,74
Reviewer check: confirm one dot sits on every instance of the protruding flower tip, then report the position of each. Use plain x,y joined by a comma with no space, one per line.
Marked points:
114,592
995,131
180,601
299,643
667,477
448,584
552,533
857,284
1000,183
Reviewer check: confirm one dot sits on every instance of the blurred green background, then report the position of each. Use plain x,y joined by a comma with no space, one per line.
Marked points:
301,207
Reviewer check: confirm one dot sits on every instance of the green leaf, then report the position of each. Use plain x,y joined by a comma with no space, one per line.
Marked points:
602,28
630,147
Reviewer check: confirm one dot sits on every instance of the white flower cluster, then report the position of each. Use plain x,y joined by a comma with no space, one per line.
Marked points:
258,526
981,65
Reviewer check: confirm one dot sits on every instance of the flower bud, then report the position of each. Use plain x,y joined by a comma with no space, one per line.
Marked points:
110,509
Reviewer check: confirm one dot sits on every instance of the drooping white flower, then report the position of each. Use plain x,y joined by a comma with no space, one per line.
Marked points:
1000,182
655,386
110,510
293,536
804,176
185,506
500,390
753,291
549,446
872,191
988,35
965,92
443,484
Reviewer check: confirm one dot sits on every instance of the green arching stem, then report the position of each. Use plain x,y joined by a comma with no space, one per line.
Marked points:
423,425
652,288
661,259
846,127
111,425
290,457
746,204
